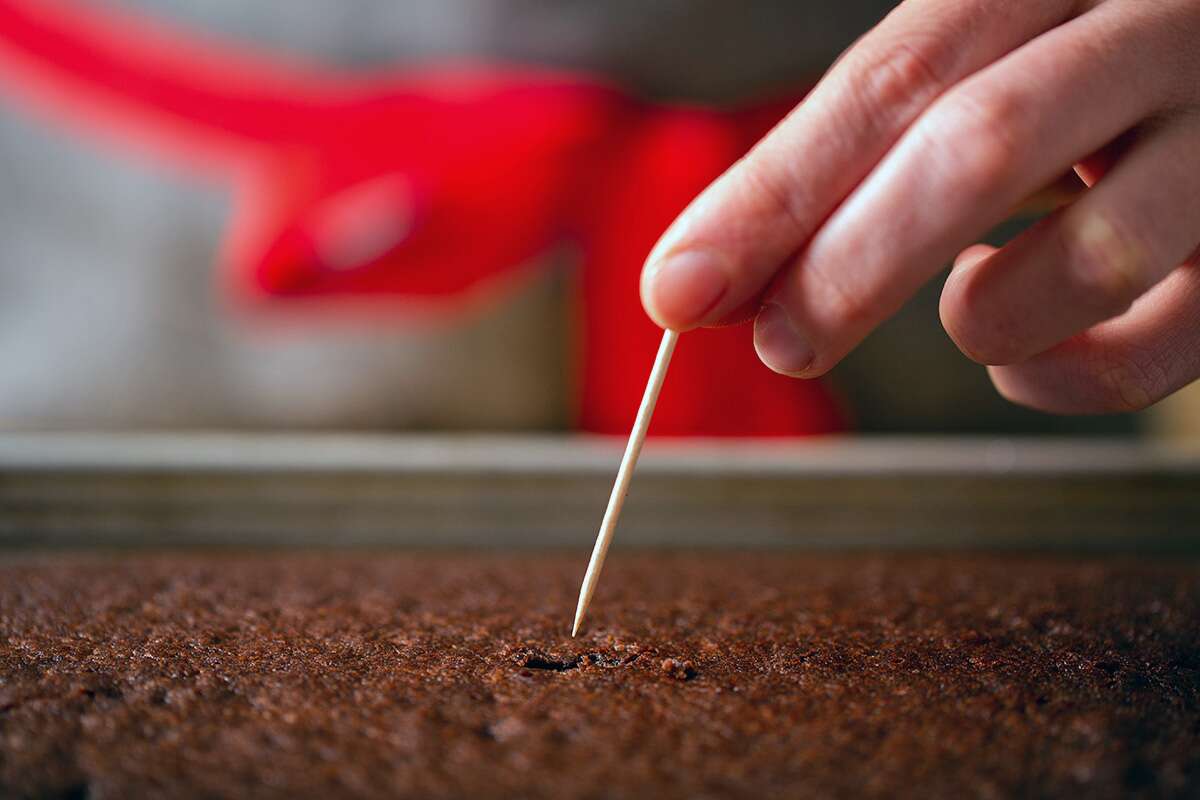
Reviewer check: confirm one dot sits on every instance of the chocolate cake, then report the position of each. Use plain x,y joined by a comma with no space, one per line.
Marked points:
283,675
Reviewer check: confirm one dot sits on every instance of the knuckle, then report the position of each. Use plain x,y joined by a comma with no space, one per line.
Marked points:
894,76
984,137
1105,267
772,188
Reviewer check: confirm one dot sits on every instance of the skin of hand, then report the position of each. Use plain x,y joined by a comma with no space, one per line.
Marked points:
925,134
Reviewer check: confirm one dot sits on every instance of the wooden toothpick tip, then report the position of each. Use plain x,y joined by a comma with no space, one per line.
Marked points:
624,474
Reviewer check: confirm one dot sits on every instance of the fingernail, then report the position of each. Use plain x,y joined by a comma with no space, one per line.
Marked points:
682,288
779,344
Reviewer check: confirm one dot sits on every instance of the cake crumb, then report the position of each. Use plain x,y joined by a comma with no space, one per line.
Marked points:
679,670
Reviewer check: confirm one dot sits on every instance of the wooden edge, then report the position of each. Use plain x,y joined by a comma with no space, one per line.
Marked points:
152,491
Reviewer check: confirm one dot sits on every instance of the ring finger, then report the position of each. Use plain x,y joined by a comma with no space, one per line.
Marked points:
1088,262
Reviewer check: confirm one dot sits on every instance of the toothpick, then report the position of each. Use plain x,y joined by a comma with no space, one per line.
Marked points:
624,474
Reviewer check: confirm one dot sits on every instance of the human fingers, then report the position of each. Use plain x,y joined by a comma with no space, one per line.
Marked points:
725,248
1088,262
971,157
1125,364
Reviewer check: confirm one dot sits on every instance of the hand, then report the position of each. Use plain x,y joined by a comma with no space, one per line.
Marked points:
924,135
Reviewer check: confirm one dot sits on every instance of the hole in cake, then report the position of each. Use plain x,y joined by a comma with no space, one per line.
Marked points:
104,692
76,791
539,661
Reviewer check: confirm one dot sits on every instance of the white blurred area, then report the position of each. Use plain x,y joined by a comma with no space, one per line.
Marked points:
110,317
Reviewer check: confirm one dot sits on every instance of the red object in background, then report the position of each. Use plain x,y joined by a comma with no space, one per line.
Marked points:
716,385
428,185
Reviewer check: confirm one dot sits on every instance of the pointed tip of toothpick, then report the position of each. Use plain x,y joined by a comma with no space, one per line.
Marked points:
580,610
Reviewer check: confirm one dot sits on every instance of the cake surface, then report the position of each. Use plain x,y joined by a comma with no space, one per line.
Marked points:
715,675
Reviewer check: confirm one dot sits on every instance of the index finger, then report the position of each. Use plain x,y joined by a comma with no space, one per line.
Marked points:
724,249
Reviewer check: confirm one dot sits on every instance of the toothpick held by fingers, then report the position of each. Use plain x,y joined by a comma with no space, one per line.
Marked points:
624,474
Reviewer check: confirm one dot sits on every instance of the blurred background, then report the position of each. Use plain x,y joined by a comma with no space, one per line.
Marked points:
172,173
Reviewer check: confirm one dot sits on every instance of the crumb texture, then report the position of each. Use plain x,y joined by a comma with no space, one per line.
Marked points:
721,675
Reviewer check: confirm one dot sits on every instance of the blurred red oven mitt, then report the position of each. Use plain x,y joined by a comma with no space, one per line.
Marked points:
430,188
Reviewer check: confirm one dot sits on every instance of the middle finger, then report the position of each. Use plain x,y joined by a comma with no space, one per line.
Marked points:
981,148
